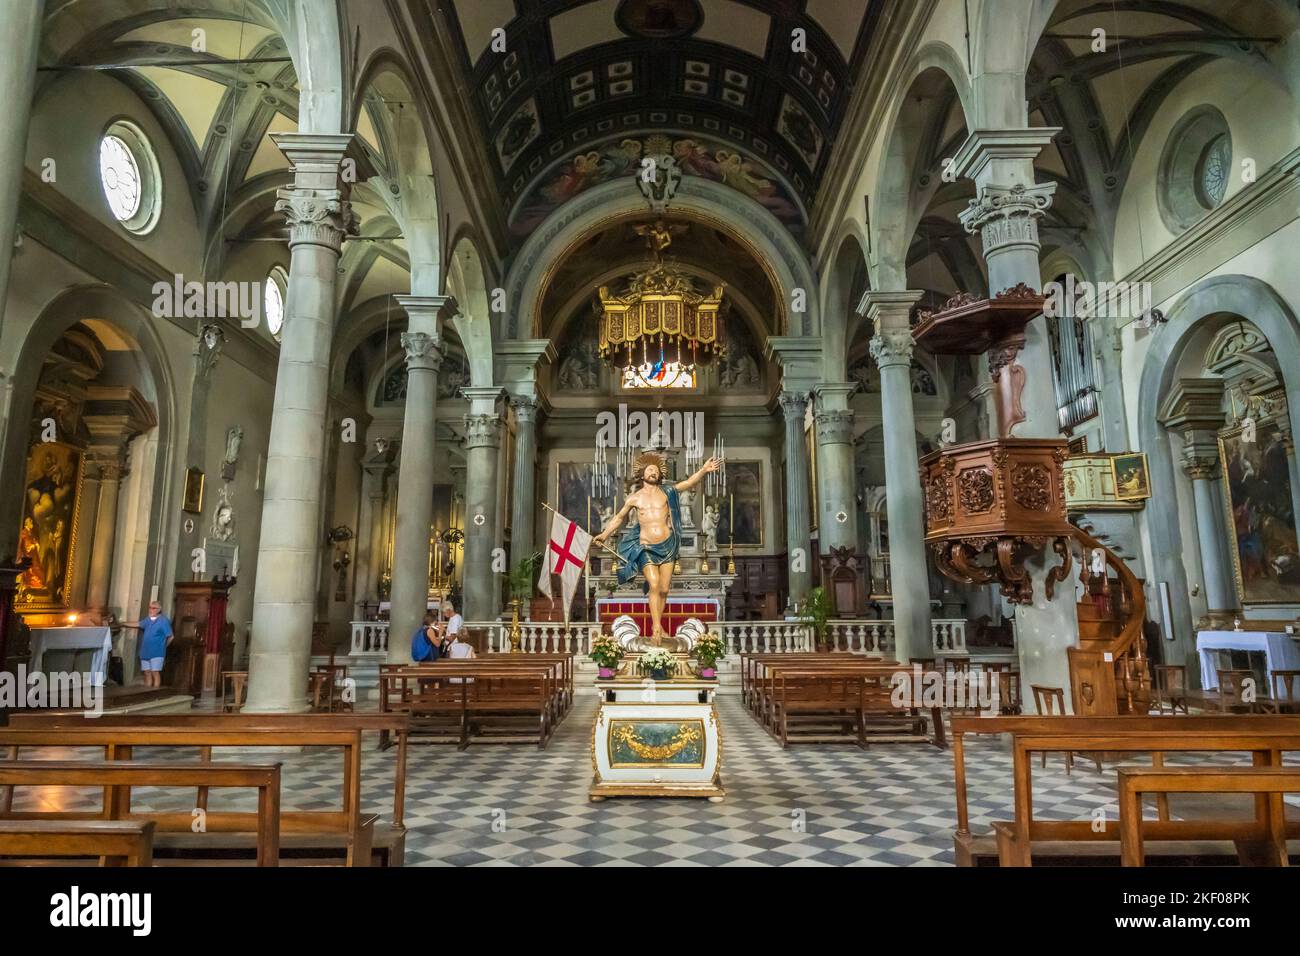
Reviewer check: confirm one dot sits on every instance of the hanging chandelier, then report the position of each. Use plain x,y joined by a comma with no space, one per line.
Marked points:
660,322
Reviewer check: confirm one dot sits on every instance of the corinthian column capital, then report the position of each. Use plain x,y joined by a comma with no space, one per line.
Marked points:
794,405
1006,215
316,217
423,351
482,431
892,347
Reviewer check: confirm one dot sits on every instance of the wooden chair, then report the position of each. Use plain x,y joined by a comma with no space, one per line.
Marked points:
1050,702
1286,692
1170,687
1233,688
237,682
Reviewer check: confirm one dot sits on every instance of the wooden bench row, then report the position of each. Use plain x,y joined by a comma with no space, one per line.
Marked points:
498,698
302,834
831,698
1265,738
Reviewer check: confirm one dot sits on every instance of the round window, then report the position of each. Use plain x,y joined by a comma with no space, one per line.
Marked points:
273,296
128,172
1194,169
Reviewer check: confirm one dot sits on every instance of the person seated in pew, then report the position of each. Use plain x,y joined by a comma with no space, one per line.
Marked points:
458,650
425,647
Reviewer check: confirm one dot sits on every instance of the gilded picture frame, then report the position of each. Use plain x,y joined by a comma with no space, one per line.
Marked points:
1260,516
1131,476
192,502
49,527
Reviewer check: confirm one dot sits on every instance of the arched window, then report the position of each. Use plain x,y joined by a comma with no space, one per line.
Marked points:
273,298
128,173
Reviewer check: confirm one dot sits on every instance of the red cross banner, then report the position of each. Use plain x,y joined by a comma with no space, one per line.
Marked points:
566,555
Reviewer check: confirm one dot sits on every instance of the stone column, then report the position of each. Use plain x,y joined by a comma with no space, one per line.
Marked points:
101,558
836,488
1201,463
482,452
423,344
523,506
891,347
319,216
1288,444
20,25
794,406
1005,214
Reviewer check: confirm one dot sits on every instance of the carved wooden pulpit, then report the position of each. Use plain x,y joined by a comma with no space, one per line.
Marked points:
205,641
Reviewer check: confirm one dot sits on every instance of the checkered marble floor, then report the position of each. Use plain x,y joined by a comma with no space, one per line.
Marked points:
809,805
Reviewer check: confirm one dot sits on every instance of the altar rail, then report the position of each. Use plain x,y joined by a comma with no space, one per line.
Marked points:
872,638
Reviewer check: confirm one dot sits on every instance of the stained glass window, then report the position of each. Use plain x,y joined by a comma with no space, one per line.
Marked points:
1212,173
120,175
659,374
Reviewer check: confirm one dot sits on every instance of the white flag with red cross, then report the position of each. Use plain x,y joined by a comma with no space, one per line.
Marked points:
566,555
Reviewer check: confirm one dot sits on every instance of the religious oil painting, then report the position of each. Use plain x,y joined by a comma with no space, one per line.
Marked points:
656,743
575,491
192,501
1132,481
48,533
745,488
1261,516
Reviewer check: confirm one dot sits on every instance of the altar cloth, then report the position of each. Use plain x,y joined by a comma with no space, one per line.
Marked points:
73,639
1281,652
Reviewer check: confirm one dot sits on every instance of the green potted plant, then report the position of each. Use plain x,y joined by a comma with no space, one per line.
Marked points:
708,651
519,582
659,664
606,652
817,611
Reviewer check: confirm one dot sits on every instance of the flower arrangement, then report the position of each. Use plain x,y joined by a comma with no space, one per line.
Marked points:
606,652
708,651
659,663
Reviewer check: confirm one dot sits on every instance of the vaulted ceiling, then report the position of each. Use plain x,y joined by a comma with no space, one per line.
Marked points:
572,87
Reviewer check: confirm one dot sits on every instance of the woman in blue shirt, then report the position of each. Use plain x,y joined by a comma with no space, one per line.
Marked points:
424,646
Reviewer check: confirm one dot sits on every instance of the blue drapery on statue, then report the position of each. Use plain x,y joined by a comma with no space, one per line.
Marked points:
636,555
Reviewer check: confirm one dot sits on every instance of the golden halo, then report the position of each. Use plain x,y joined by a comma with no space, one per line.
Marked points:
648,458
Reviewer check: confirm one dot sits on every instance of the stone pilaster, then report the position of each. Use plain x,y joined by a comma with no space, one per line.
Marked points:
20,25
836,487
482,453
1201,465
319,217
423,345
99,575
794,409
891,348
523,504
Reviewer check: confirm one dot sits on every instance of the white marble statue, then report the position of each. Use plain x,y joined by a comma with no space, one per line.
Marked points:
709,527
223,516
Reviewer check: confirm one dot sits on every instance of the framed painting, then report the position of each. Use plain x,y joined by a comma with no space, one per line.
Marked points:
745,490
1261,516
1132,480
574,488
47,535
193,500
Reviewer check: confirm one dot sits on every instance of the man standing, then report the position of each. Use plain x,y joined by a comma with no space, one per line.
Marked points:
651,547
455,623
155,636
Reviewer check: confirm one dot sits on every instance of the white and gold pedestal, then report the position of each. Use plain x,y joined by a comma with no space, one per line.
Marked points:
656,750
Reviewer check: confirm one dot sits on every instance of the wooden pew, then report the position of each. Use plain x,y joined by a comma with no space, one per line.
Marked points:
816,697
107,842
121,777
305,832
449,700
394,724
1273,781
1266,738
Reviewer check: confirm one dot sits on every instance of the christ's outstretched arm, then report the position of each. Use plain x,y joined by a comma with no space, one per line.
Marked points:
615,523
712,465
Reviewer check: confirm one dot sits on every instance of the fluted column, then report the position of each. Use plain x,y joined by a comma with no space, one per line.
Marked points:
482,452
20,25
101,557
523,506
1005,214
794,406
288,559
837,524
1201,463
423,344
891,347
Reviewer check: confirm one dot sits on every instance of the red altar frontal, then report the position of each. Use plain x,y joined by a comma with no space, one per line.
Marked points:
676,613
